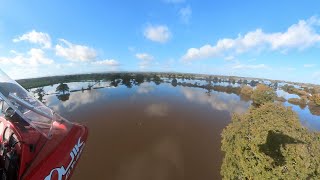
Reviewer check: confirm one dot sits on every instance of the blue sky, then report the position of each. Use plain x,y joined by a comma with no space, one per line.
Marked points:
269,39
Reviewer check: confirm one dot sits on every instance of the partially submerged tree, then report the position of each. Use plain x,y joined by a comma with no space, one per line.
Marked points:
174,82
269,143
62,87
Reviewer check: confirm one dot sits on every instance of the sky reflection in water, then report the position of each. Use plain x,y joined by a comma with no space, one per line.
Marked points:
153,131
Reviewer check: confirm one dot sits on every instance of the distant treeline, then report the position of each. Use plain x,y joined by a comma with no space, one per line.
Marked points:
47,81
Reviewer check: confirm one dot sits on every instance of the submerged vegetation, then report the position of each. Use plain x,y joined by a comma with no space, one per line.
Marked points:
269,142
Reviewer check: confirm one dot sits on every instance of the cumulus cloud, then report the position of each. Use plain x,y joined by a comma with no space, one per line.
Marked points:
145,59
108,62
309,65
157,33
298,36
35,37
144,56
34,57
185,14
74,52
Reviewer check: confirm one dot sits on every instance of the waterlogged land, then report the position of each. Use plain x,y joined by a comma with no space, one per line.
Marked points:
160,126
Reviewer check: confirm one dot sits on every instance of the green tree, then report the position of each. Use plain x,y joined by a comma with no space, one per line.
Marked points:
157,80
139,79
40,92
62,88
269,143
174,82
263,94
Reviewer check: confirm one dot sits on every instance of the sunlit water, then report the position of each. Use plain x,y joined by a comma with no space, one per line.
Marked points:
153,131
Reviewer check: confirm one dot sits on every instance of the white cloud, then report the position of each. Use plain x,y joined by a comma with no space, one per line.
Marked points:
157,33
309,65
34,57
229,58
35,37
249,66
108,62
298,36
145,59
74,52
174,1
185,14
144,56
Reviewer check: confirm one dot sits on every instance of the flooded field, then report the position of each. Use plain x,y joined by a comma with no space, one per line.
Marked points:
145,131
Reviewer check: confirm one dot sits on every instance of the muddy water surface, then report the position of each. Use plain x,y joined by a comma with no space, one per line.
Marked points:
150,132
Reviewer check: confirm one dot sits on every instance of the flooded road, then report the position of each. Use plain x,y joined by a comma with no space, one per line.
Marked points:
149,131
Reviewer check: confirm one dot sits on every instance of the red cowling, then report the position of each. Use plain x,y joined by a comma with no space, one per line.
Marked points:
27,154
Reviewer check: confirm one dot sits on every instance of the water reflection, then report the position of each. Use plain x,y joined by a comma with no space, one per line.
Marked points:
145,88
160,110
63,97
151,128
162,160
73,101
218,101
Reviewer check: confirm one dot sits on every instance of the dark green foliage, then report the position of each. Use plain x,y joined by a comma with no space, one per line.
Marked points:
174,82
63,97
269,143
139,79
253,83
62,88
263,94
40,92
157,80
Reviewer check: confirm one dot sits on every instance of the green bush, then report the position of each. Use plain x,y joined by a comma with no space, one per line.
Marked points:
269,143
263,94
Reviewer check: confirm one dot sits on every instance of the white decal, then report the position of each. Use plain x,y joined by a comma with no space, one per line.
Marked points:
74,154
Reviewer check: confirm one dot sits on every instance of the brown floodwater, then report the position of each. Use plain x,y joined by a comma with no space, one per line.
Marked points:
149,132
